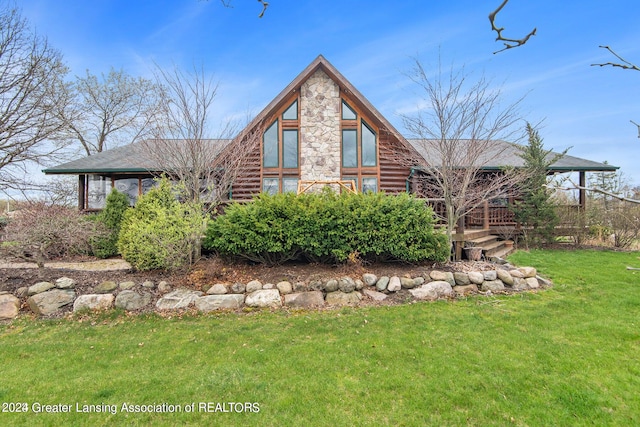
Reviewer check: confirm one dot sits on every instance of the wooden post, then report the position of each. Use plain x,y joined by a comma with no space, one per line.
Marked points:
485,213
82,179
583,193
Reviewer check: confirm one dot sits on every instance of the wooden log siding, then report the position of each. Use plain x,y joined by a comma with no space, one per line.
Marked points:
248,182
393,175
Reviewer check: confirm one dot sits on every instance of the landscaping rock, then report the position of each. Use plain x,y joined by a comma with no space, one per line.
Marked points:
219,302
164,287
446,276
217,289
22,292
264,298
125,286
493,285
9,306
331,285
49,302
490,275
148,284
528,272
382,283
544,282
346,284
407,283
302,287
433,290
252,286
314,285
394,284
304,299
532,282
268,286
40,287
105,287
516,273
180,298
461,279
359,284
93,302
238,288
505,277
376,296
369,279
65,283
520,284
130,300
418,281
284,287
476,277
341,298
466,290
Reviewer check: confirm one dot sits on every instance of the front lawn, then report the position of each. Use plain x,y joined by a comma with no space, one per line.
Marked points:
563,356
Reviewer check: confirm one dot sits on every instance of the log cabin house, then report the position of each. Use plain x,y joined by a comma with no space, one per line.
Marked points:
319,129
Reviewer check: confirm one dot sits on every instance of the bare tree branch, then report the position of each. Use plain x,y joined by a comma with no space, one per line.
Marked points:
227,3
625,65
593,189
508,43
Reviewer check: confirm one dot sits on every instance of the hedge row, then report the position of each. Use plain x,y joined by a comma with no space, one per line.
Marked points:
327,227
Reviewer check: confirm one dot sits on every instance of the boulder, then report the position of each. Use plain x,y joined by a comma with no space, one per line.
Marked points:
461,279
51,301
476,277
359,284
9,306
516,273
268,286
219,302
528,272
346,284
376,296
520,284
407,283
433,290
40,287
264,298
493,285
284,287
394,284
217,289
442,276
164,287
465,290
532,282
382,283
252,286
490,275
22,292
369,279
180,298
331,285
93,302
148,284
304,299
341,298
314,285
544,282
65,283
505,277
105,287
125,286
418,281
130,300
302,287
238,288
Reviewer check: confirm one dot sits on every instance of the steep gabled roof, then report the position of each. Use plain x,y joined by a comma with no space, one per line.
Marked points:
507,154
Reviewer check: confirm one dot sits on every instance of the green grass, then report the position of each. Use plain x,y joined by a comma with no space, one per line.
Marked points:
564,356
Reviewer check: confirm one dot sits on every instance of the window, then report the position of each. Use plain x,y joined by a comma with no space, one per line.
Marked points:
347,112
270,147
291,113
128,186
289,185
349,148
290,148
369,184
98,188
369,149
270,185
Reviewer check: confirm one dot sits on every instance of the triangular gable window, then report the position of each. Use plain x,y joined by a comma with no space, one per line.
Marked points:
347,112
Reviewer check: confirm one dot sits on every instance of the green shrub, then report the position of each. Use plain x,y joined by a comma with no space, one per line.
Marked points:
328,228
111,217
160,232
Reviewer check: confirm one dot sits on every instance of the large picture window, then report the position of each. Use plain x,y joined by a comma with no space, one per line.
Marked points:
271,154
359,149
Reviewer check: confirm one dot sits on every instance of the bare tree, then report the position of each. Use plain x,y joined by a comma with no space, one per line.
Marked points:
460,130
31,88
265,5
110,110
624,64
508,43
183,147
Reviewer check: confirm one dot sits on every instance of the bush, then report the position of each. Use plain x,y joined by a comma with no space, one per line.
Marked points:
328,228
111,217
160,232
39,232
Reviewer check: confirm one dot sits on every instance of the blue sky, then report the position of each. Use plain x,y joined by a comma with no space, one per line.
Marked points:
373,43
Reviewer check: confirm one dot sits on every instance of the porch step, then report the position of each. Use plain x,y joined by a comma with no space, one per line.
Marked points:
475,234
491,246
484,240
502,253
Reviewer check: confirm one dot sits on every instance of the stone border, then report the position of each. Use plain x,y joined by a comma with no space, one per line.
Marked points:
46,298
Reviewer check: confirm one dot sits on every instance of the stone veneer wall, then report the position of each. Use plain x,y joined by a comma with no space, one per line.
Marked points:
320,128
